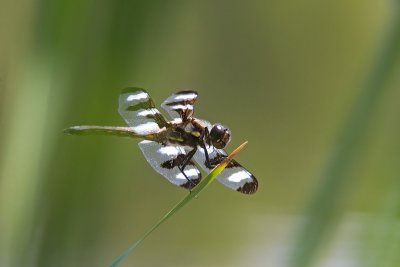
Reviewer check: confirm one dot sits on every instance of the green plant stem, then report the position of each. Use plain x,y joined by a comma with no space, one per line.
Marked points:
323,206
201,186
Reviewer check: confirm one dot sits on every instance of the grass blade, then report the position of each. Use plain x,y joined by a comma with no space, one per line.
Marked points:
201,186
323,208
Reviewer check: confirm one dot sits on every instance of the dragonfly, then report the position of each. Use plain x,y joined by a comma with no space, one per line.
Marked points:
175,148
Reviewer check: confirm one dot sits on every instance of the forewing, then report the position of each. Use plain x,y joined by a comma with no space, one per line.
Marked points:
234,176
165,160
138,110
180,104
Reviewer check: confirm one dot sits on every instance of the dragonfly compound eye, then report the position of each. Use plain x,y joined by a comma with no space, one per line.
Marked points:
220,136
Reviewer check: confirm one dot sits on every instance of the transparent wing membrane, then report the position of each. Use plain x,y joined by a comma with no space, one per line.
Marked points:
138,110
180,104
166,159
234,176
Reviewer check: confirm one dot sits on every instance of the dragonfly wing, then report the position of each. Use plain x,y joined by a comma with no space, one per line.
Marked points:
165,160
180,104
234,176
137,109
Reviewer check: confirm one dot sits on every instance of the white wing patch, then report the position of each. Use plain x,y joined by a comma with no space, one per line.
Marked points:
187,96
146,128
189,173
139,96
239,176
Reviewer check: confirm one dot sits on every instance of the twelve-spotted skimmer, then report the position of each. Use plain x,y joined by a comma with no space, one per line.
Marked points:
171,146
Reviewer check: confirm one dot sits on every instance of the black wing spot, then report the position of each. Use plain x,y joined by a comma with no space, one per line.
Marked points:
192,183
218,159
141,105
186,92
175,162
181,102
172,163
249,188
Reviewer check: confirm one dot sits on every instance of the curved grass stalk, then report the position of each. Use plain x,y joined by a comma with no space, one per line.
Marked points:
201,186
334,179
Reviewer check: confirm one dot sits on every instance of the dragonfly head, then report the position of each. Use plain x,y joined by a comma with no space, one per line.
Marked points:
220,136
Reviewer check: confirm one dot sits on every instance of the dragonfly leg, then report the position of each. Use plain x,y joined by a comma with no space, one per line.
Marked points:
188,157
206,137
208,162
185,162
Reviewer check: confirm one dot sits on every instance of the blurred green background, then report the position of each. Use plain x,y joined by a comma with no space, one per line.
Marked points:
312,85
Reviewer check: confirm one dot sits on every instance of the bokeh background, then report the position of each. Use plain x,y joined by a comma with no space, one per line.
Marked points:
312,85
